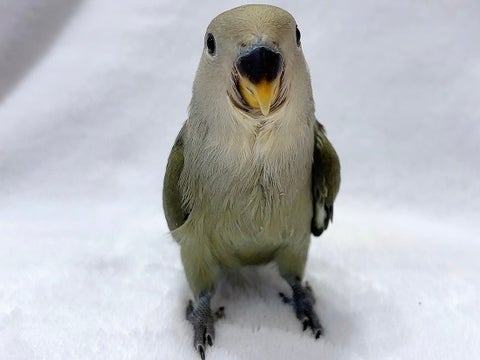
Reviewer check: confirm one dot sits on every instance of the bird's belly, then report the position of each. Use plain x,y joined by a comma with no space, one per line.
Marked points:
241,249
252,235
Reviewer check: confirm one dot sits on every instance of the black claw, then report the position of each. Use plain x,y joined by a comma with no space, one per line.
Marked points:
209,340
220,313
285,299
305,324
201,351
318,334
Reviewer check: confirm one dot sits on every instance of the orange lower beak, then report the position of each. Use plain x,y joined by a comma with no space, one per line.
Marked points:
261,95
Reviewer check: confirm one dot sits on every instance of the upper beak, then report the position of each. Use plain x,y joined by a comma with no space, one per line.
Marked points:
259,82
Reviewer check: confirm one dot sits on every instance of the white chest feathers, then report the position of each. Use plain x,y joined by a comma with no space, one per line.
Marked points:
270,160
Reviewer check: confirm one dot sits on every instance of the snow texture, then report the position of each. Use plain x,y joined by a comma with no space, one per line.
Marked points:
92,95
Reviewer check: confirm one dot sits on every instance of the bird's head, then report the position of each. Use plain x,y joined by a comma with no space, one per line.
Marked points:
252,58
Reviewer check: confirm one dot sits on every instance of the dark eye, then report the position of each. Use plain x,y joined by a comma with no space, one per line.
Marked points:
211,44
298,36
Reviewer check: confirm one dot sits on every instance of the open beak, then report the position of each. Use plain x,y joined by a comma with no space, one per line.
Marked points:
259,78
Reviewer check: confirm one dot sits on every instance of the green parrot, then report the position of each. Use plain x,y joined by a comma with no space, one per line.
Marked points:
251,174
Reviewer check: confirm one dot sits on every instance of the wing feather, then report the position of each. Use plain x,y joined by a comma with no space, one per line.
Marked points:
325,180
172,196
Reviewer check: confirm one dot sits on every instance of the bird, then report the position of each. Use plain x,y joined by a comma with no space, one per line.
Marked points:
251,175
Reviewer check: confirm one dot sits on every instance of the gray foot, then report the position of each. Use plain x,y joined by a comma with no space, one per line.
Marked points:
202,319
302,302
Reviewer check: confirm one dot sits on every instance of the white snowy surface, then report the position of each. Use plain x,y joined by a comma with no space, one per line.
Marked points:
92,95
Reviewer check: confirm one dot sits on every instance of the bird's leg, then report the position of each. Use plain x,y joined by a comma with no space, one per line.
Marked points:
291,264
201,272
302,301
201,317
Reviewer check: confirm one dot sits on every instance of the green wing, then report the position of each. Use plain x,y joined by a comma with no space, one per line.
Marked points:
325,180
172,197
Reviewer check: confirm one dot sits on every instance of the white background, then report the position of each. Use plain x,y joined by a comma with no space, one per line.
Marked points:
92,95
